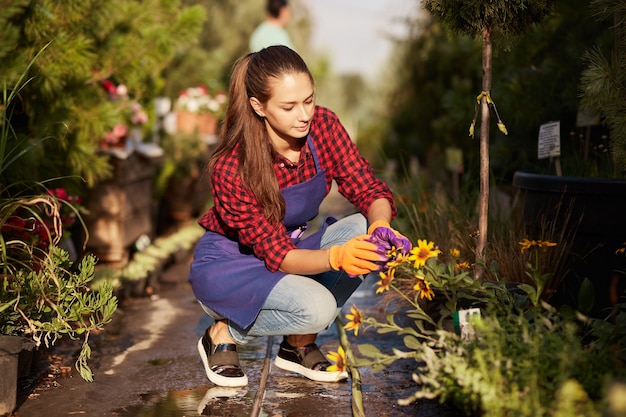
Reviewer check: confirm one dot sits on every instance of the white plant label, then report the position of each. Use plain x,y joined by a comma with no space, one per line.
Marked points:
462,322
549,140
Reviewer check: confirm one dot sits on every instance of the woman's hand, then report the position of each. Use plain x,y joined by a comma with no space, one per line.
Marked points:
382,230
357,256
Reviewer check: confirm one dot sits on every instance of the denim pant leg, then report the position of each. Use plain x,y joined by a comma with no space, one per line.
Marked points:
296,305
302,304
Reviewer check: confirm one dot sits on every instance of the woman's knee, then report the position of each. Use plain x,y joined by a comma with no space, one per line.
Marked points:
299,305
345,229
319,310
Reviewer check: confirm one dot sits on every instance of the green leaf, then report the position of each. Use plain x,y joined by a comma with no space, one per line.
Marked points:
586,296
412,342
369,350
528,289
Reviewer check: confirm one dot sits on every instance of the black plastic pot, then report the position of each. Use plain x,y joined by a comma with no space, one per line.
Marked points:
13,351
595,208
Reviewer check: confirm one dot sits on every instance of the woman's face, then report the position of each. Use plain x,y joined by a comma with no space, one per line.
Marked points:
289,111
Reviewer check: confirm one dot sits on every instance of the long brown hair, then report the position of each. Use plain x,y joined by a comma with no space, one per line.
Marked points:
244,129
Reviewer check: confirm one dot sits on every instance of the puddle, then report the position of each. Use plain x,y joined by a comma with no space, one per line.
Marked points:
287,395
211,401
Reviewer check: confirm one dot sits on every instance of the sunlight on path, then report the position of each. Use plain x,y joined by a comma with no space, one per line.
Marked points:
162,315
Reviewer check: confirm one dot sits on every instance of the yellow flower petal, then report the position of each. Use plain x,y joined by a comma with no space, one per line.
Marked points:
355,320
339,359
422,252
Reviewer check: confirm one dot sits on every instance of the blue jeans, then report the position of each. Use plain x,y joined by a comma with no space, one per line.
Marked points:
305,304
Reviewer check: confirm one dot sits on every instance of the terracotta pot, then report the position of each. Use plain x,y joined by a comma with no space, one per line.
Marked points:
204,124
186,196
179,196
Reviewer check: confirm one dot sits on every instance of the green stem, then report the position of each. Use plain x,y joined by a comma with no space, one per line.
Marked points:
405,296
539,282
357,395
413,303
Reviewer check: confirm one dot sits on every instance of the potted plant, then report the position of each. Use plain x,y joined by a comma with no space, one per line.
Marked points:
127,132
54,299
181,184
198,110
44,294
593,209
594,206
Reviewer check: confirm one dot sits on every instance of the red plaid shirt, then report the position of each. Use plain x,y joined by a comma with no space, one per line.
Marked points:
237,213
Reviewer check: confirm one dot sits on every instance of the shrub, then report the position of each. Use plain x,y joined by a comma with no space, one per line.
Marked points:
490,348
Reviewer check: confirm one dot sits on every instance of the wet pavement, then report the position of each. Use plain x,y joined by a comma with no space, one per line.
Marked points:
145,363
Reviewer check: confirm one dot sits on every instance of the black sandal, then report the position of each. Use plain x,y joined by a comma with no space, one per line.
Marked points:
221,362
308,361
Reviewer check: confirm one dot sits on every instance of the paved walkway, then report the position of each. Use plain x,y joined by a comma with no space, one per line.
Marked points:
145,363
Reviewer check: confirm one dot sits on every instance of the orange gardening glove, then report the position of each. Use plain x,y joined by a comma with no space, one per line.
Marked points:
356,256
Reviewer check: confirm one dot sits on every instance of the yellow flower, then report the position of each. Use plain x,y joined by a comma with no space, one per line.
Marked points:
422,252
339,359
396,258
526,244
462,265
455,253
424,288
545,243
385,280
355,320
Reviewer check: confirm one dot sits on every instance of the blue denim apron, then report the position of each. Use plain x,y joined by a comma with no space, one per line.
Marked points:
226,276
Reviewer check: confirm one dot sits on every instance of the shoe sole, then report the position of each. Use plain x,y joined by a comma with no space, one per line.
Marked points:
320,376
222,381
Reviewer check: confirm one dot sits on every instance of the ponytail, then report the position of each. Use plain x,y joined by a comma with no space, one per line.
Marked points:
245,130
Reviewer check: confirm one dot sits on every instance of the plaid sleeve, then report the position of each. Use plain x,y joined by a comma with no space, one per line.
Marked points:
240,214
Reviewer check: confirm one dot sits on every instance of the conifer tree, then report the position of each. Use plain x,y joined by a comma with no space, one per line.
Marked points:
84,43
496,21
603,82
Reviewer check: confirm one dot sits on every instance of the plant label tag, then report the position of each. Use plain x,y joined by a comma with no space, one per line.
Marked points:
462,325
549,140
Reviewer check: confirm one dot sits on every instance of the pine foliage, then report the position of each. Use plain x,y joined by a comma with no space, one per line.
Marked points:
503,18
129,42
603,81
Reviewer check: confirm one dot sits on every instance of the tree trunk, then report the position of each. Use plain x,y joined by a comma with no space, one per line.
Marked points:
483,206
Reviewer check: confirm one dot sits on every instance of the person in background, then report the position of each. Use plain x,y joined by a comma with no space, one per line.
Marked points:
253,271
272,30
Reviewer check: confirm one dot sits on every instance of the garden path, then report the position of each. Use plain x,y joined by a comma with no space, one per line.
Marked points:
145,364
